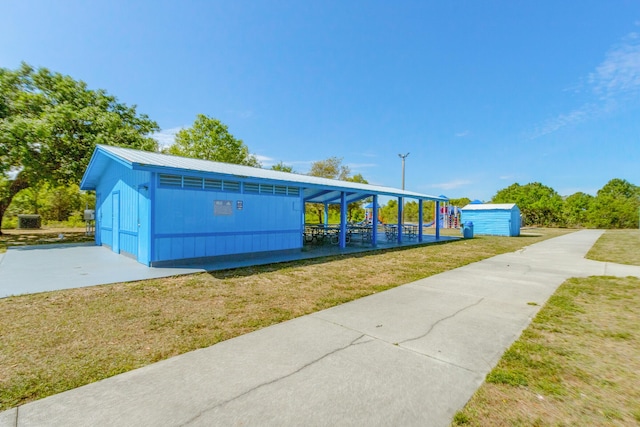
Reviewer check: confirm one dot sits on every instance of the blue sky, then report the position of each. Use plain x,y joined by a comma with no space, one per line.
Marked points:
482,94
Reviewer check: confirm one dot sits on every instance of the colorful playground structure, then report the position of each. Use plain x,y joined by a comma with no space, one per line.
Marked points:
449,216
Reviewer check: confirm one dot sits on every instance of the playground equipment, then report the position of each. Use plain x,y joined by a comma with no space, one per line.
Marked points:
449,216
368,214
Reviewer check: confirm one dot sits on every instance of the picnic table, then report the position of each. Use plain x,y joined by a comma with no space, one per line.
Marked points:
320,233
409,230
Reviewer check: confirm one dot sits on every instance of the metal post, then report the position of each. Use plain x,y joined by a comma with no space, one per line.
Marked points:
420,220
403,157
402,200
374,222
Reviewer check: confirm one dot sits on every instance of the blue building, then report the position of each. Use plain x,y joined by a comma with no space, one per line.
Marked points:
162,209
493,219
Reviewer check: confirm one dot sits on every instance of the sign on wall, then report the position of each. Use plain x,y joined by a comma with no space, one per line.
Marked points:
222,207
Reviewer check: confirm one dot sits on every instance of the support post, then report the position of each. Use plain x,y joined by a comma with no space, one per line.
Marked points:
343,220
374,222
437,220
326,214
420,220
400,202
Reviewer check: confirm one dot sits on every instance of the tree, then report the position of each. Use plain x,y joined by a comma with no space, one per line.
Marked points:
616,205
355,211
576,208
209,139
461,203
280,166
333,168
539,204
50,125
389,212
330,168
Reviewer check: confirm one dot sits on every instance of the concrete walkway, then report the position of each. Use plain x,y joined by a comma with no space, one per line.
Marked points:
410,356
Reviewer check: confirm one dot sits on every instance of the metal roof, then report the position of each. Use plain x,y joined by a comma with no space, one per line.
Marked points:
316,189
488,206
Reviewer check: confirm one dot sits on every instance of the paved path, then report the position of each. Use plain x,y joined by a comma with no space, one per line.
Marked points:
412,355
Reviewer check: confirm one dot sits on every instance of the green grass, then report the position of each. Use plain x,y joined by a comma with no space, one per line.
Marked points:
578,363
619,246
52,342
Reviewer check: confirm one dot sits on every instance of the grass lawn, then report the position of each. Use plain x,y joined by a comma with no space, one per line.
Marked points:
55,341
578,363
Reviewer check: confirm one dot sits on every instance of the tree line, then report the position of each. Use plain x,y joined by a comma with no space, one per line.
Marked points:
615,205
50,124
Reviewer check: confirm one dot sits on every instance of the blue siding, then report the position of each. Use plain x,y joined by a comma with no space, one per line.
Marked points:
186,227
496,222
125,185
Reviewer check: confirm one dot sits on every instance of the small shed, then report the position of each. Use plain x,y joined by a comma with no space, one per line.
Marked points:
501,219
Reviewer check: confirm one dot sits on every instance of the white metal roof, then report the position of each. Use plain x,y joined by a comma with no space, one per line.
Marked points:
488,206
316,189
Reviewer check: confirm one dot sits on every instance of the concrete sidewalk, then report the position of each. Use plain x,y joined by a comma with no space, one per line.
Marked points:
412,355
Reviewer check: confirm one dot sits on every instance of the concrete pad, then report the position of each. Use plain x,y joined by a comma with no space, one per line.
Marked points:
9,418
45,268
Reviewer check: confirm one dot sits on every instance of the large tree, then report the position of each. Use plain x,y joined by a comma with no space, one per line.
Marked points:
334,169
616,205
330,168
539,204
209,139
576,208
50,124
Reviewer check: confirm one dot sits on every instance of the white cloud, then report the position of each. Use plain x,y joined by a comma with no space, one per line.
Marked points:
368,154
507,177
264,159
361,165
615,80
457,183
565,119
166,137
619,74
462,134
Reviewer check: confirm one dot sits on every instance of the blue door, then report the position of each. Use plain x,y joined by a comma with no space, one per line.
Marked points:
144,240
98,216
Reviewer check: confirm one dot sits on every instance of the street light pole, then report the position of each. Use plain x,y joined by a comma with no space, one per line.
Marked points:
403,157
401,220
